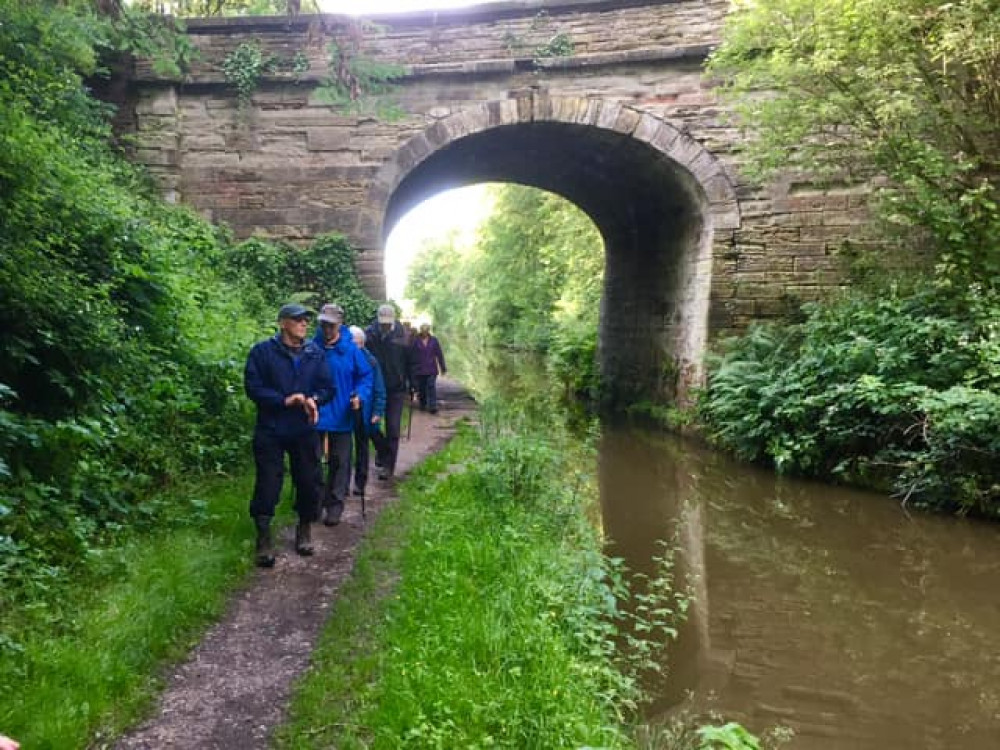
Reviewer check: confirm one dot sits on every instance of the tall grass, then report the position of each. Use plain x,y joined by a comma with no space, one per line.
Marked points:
482,614
86,669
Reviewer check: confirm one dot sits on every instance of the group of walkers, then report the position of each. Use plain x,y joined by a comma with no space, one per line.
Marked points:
326,398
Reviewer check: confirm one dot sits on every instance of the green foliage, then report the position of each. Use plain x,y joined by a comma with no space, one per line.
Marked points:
246,65
897,390
905,88
687,732
560,45
357,83
320,273
79,670
123,328
161,39
540,39
491,619
533,281
209,8
729,736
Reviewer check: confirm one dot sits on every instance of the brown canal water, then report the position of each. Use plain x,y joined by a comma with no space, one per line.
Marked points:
823,609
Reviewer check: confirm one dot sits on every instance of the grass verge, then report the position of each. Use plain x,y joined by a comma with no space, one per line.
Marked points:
482,613
85,666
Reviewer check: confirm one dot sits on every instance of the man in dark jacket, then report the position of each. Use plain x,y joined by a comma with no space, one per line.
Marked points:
288,378
387,340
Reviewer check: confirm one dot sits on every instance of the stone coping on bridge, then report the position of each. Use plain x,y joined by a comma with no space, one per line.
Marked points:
482,11
696,52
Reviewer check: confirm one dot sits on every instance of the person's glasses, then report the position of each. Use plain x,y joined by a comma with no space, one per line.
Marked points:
300,318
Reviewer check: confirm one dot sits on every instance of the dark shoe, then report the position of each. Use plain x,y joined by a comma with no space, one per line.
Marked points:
359,492
383,474
264,552
303,539
434,410
330,517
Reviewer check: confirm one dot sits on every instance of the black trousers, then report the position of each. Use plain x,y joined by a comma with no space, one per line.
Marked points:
387,445
360,452
303,458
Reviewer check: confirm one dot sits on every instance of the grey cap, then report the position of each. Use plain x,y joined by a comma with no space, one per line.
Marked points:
294,310
331,314
386,314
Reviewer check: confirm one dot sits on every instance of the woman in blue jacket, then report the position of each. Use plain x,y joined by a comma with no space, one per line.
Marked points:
352,377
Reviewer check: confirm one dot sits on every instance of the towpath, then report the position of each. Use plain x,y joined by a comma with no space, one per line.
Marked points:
234,688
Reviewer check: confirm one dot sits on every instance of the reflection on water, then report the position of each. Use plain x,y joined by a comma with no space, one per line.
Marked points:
819,608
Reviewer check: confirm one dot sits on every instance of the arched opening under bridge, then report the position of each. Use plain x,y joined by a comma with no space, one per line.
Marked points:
657,196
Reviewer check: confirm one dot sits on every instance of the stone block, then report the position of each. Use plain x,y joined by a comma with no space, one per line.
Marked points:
328,139
158,102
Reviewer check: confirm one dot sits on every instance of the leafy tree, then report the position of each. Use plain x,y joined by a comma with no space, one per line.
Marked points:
533,281
903,88
439,285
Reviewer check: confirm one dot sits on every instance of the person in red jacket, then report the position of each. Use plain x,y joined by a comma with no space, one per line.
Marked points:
428,363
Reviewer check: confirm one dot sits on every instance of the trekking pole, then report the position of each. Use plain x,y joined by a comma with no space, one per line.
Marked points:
409,421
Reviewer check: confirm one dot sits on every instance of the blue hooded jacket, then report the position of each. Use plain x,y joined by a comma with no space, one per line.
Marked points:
375,405
351,373
273,373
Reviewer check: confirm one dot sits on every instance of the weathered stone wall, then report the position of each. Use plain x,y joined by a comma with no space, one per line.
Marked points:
291,167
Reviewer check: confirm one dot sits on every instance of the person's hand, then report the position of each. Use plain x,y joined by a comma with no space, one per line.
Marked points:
295,399
6,743
355,403
312,411
376,419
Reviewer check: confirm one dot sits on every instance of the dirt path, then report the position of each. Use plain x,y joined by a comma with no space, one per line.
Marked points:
234,688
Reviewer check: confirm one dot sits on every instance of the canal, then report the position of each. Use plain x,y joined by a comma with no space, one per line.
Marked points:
830,611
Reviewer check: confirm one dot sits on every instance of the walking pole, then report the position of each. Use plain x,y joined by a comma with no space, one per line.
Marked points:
409,422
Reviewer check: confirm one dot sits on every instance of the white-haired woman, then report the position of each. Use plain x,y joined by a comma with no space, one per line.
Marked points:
369,418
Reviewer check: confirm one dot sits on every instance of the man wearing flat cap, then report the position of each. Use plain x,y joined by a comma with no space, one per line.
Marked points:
388,342
287,377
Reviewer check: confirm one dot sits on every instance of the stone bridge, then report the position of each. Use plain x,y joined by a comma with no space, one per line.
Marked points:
626,126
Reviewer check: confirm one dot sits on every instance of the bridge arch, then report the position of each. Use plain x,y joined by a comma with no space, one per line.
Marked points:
660,199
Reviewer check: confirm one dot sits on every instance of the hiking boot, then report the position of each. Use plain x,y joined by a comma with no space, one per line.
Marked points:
383,474
331,517
359,492
264,551
303,539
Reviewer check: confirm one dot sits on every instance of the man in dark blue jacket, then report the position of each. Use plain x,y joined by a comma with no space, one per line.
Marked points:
289,380
388,342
